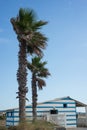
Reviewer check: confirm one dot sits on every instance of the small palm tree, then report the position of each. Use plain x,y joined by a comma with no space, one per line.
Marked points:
39,72
31,41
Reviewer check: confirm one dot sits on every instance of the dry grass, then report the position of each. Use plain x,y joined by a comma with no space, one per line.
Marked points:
2,122
2,125
38,125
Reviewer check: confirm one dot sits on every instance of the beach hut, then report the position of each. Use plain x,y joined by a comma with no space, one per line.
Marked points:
61,111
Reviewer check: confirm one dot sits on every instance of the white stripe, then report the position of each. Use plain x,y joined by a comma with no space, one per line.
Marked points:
68,113
9,119
47,109
16,119
9,123
70,117
71,126
71,105
28,109
59,109
59,105
15,123
16,114
28,114
65,101
71,121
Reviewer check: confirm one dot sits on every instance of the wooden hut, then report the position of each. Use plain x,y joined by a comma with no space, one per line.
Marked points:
65,115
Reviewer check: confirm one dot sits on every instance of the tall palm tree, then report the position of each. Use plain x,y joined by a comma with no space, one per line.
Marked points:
31,41
39,72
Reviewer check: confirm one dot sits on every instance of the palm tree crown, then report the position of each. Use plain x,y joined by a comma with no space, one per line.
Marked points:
38,68
26,27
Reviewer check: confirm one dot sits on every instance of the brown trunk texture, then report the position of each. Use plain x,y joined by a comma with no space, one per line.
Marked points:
22,80
34,97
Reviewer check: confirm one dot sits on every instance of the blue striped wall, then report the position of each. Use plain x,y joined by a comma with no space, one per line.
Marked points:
44,108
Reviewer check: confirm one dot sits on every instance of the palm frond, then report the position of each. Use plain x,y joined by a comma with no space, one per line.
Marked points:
39,24
44,74
39,39
37,42
26,18
40,83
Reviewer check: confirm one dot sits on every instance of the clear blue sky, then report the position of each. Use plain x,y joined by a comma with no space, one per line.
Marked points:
66,52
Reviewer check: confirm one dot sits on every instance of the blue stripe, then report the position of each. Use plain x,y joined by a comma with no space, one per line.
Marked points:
59,103
40,116
8,125
55,107
71,115
16,111
71,124
18,116
11,117
48,111
28,106
12,121
9,121
67,98
52,107
71,119
16,121
66,111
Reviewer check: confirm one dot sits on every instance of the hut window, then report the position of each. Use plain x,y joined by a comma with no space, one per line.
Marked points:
64,105
54,111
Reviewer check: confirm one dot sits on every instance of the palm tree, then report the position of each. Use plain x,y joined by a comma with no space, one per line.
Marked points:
39,72
31,41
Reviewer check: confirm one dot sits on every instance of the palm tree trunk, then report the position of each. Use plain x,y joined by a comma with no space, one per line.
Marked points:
34,97
22,80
